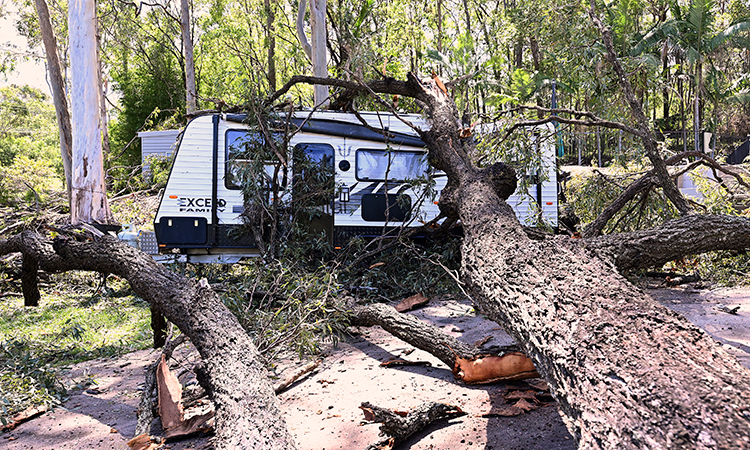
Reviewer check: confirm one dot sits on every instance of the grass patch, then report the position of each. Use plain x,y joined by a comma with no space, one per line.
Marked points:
74,322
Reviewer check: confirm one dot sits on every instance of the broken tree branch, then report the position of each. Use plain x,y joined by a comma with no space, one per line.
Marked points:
468,363
397,427
247,411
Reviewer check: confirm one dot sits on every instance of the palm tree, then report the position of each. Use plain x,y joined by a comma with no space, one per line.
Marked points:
691,37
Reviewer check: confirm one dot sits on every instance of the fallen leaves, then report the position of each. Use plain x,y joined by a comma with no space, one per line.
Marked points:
520,401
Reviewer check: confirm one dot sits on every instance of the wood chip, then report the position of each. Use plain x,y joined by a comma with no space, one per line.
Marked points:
170,395
412,302
23,416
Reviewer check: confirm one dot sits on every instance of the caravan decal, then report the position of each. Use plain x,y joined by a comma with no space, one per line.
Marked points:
199,204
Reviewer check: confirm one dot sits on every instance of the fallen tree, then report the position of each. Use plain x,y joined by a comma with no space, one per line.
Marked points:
627,372
247,412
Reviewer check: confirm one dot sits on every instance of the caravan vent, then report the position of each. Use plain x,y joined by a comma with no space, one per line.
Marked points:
148,243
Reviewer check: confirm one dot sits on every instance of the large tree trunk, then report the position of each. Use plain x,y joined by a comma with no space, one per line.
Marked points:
57,83
89,192
627,372
247,412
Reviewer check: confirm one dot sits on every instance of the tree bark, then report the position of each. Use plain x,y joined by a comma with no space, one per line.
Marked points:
89,196
315,51
468,364
396,427
187,44
649,143
685,236
57,84
271,56
627,372
247,412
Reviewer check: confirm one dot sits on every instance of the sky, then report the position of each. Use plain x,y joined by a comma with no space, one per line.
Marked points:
27,72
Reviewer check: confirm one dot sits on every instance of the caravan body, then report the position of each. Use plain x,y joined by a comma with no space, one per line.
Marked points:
200,209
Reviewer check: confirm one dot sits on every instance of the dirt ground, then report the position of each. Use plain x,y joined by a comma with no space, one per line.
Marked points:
322,410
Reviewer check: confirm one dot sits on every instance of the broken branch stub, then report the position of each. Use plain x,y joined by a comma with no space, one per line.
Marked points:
468,363
397,426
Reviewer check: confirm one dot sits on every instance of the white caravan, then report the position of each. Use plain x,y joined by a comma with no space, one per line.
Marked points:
201,206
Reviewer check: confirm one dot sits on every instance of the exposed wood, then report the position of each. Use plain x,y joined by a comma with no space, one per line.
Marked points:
468,363
398,426
247,411
491,369
191,92
315,49
146,406
23,416
170,395
145,442
294,376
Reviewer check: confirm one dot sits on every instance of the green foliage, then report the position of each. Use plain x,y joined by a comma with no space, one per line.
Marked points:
285,305
148,76
589,194
74,322
25,380
425,266
30,164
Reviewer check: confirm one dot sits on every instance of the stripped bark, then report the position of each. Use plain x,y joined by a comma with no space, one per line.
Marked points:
247,412
146,406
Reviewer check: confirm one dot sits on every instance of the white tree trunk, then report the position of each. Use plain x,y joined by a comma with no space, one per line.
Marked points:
317,50
187,43
89,198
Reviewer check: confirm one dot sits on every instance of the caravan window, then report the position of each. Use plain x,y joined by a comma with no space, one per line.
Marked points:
241,147
395,166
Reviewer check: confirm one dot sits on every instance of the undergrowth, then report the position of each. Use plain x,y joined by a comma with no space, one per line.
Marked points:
77,320
590,194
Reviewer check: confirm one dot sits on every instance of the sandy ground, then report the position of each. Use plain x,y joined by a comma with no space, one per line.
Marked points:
322,410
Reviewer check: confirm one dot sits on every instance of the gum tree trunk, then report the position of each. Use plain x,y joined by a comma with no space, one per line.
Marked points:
89,193
627,372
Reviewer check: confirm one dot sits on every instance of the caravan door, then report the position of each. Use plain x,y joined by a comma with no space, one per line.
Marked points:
314,186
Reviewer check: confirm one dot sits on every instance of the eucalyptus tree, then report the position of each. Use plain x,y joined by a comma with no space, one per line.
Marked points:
58,87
